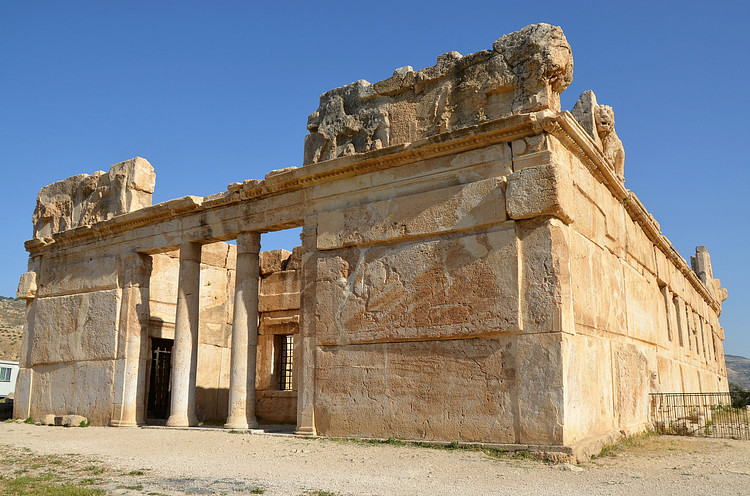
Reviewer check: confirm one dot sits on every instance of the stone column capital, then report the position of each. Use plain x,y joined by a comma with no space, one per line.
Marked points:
248,242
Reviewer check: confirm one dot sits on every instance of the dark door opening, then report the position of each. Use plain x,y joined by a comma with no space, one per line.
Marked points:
161,371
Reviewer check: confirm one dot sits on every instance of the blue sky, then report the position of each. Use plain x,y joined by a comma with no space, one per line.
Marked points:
216,92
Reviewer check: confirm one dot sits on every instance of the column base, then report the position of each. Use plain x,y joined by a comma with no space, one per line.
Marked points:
305,431
124,423
182,421
241,424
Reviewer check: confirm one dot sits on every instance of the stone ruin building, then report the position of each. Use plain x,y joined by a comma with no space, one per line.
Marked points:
472,268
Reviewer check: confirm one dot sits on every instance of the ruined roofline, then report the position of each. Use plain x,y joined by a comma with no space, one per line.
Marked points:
524,72
562,125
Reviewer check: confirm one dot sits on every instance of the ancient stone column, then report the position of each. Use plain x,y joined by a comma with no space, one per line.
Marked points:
130,366
304,348
244,334
185,351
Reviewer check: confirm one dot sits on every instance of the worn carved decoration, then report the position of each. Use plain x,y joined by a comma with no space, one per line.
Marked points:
701,264
611,144
86,199
599,123
524,72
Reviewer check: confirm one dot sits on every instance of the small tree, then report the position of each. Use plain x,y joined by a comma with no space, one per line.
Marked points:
740,396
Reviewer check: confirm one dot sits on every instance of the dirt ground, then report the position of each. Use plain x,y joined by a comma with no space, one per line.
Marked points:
176,462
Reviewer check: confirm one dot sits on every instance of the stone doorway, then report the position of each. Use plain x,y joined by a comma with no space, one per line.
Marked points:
159,382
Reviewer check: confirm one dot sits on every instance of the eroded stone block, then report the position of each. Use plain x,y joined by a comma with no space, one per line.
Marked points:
524,72
458,389
87,199
461,207
76,327
455,287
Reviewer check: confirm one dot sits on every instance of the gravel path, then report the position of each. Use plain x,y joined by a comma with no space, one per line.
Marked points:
178,462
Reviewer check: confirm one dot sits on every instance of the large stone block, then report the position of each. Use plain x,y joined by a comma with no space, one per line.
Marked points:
458,390
67,389
61,275
541,392
287,281
276,406
587,363
164,276
275,302
538,191
598,287
631,385
87,199
208,383
455,287
76,327
643,295
467,206
545,279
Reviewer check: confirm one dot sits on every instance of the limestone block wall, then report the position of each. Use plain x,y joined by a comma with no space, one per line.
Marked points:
634,320
76,331
423,302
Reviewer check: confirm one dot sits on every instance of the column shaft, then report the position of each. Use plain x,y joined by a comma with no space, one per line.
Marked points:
185,351
244,334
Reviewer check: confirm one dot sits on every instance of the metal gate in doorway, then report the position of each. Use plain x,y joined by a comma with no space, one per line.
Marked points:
161,370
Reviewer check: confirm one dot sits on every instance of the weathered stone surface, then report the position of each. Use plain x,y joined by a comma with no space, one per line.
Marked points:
61,275
74,421
588,386
541,396
477,204
273,261
585,113
458,389
540,190
525,71
631,385
611,144
277,406
599,123
66,388
701,264
86,199
81,326
459,287
47,419
27,286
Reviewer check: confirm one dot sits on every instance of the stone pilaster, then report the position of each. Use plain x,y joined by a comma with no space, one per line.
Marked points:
128,403
244,334
185,351
304,349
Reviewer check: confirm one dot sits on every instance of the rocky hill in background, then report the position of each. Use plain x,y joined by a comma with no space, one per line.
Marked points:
11,327
738,370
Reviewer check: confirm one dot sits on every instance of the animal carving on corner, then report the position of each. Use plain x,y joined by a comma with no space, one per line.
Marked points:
611,144
599,122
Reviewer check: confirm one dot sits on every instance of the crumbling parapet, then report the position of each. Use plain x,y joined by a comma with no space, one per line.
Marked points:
86,199
524,72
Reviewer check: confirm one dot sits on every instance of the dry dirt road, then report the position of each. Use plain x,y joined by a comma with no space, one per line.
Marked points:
175,462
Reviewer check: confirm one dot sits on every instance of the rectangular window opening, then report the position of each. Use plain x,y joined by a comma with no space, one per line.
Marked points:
286,359
5,374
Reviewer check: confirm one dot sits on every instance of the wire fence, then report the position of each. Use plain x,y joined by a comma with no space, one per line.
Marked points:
723,414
